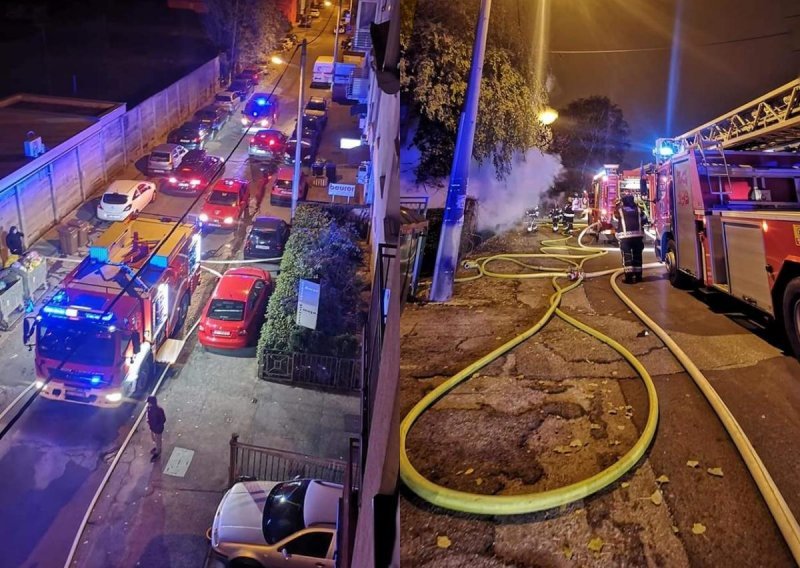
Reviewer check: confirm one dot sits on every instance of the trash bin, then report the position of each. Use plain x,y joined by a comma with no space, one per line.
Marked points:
330,172
84,228
318,168
68,239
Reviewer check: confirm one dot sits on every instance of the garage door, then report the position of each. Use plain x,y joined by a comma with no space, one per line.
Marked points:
114,148
36,204
9,217
91,157
66,183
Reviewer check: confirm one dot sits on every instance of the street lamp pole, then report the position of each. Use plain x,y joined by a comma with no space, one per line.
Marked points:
336,41
299,131
233,39
453,221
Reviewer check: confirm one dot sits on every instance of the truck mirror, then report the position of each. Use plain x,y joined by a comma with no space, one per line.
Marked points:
28,330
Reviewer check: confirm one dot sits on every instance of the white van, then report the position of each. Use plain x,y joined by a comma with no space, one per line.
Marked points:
322,76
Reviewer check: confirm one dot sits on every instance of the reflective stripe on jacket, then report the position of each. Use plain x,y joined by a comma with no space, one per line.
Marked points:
629,223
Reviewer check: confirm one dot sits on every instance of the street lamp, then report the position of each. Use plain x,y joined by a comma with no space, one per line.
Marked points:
277,60
548,116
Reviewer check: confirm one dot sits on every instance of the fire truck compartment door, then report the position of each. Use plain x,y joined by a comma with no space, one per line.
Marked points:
686,239
744,247
719,266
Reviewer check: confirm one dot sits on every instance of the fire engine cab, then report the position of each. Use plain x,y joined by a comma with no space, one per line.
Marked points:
728,217
98,337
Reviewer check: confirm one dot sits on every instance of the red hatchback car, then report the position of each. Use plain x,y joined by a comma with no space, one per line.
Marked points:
233,316
225,204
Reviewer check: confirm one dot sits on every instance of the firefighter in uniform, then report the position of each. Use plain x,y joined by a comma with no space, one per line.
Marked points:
555,217
568,215
630,234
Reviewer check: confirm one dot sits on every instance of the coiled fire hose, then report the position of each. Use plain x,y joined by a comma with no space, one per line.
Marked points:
526,503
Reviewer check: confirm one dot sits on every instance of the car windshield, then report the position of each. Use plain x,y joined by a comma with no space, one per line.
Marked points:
223,98
66,340
284,184
159,157
315,105
115,198
238,86
226,310
283,512
223,197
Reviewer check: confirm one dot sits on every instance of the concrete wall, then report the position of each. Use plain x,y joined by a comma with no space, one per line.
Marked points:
86,163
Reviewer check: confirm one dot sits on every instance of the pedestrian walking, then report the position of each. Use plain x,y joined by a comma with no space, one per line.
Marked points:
628,220
14,241
156,420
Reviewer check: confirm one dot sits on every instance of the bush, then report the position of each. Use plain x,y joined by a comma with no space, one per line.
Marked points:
322,247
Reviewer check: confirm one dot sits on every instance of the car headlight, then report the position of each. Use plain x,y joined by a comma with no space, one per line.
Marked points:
228,220
39,385
264,122
203,217
173,180
245,121
114,396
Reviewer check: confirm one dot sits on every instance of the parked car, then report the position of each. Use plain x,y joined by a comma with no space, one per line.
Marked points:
318,107
250,73
309,144
124,198
305,22
227,100
212,117
242,88
266,238
278,524
267,145
281,193
225,204
314,123
165,158
261,111
314,12
233,316
346,43
195,173
191,135
288,42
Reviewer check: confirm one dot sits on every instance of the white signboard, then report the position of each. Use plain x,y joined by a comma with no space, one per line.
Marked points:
307,304
342,189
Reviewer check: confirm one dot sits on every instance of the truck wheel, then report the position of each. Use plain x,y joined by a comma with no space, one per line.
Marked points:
791,315
676,277
183,309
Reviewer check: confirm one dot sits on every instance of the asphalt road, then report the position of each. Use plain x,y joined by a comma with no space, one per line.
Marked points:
56,454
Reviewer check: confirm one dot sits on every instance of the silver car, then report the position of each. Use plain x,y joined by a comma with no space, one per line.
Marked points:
278,524
165,158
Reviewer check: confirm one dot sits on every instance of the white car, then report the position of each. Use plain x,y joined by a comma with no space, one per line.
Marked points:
278,524
125,197
314,12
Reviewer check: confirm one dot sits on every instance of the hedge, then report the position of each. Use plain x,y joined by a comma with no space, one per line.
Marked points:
322,247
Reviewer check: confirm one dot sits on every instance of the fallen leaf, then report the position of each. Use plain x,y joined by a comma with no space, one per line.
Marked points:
567,552
595,427
675,529
620,427
478,481
469,471
715,471
662,479
612,411
656,498
576,443
596,544
562,449
613,442
698,528
443,542
625,484
692,463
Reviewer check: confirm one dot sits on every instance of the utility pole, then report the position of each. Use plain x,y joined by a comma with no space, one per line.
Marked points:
233,39
298,146
336,42
453,222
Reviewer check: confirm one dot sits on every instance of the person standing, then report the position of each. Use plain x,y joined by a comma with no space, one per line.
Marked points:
156,418
555,217
568,215
14,241
630,234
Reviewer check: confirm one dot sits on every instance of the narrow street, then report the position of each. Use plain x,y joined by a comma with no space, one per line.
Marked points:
561,407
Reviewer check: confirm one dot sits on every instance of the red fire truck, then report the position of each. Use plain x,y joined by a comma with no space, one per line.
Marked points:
728,217
98,338
608,186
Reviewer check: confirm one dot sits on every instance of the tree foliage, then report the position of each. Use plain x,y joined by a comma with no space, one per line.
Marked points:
261,24
589,133
436,63
322,247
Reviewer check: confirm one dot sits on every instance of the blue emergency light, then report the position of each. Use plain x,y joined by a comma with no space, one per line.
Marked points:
261,102
96,379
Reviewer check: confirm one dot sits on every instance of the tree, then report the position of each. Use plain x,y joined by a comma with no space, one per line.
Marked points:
261,24
589,133
436,67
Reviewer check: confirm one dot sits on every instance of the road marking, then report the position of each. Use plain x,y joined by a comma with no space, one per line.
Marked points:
16,400
179,462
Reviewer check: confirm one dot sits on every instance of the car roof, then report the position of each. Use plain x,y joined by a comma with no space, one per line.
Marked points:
285,172
233,286
264,222
228,184
210,108
166,147
266,133
316,99
193,155
127,186
191,125
321,503
227,93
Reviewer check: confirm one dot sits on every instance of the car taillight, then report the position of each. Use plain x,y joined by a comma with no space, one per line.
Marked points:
173,180
194,182
272,142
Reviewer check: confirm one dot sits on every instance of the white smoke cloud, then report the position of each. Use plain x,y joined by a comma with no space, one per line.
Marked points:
501,204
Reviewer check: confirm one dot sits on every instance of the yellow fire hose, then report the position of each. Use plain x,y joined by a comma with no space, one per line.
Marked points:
526,503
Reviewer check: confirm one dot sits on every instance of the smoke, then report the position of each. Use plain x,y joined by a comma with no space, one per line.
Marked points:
501,204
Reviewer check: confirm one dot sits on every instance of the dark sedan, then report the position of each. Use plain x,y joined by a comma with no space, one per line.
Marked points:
212,117
266,238
191,135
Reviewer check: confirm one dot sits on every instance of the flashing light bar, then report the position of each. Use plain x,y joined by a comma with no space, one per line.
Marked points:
73,312
261,102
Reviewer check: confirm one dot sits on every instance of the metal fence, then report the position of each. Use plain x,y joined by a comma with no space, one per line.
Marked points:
309,369
268,464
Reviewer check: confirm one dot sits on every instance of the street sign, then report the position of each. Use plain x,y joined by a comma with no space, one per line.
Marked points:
342,189
307,304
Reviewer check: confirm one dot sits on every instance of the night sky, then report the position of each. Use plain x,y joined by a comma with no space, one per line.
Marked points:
709,79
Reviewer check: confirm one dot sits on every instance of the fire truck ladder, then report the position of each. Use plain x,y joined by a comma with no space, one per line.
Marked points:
771,121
